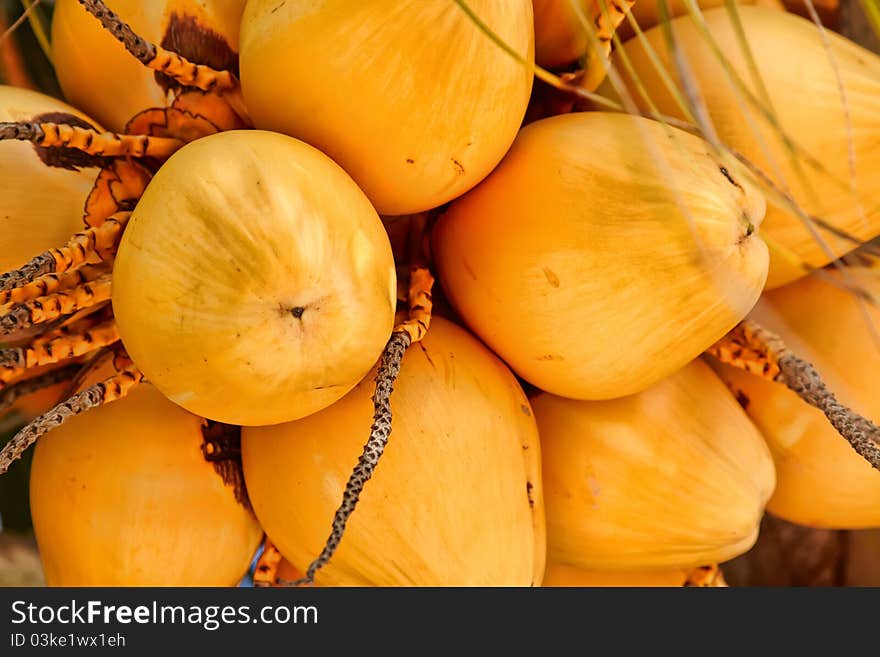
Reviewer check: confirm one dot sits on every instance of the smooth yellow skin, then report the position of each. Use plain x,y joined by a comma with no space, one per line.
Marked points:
122,496
575,262
41,206
673,477
803,88
560,37
822,482
99,75
409,96
449,501
558,575
235,232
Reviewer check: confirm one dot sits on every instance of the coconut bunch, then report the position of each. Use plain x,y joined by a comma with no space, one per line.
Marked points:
220,315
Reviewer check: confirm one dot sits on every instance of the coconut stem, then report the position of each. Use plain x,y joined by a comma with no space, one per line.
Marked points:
380,431
157,58
50,283
18,390
89,140
21,132
76,340
412,330
141,49
421,303
57,304
42,264
752,348
103,392
98,240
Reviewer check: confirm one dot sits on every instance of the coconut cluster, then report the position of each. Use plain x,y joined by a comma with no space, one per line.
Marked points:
226,323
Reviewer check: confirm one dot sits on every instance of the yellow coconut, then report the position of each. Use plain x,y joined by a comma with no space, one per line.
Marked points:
99,75
254,283
671,478
822,482
603,254
122,496
455,500
802,82
44,190
409,96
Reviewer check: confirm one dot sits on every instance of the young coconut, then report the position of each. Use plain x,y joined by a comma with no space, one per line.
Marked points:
44,189
97,74
604,253
809,123
673,477
415,101
430,515
822,482
254,283
129,496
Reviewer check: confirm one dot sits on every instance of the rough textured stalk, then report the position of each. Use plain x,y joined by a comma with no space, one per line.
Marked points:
380,431
100,393
42,264
141,49
753,348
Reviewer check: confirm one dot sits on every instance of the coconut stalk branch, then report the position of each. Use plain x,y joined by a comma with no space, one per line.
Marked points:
760,352
157,58
100,393
380,431
405,334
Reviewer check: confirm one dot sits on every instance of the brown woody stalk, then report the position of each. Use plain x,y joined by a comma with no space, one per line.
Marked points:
103,392
753,348
380,431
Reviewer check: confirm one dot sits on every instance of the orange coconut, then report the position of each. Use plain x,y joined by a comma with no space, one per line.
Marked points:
44,190
822,482
456,498
254,283
412,98
671,478
824,152
603,253
122,496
